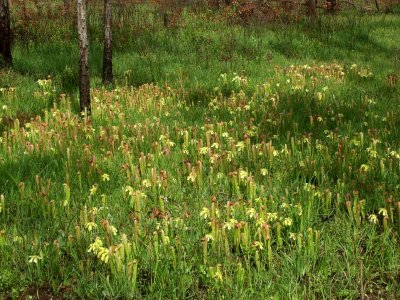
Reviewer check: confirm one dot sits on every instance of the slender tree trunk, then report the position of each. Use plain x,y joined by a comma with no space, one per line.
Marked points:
66,7
25,31
84,80
312,8
377,5
107,56
332,6
5,34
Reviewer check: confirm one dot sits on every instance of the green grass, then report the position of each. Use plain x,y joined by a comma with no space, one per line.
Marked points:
260,162
198,51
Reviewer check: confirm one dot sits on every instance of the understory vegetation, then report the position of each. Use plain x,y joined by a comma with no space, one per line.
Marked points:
228,161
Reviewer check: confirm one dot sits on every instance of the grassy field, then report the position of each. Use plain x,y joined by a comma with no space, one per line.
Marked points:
227,162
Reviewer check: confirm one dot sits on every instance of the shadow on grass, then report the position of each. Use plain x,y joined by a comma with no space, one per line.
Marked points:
25,169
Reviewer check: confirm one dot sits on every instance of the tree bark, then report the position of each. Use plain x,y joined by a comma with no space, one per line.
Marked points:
377,5
5,34
84,80
67,7
312,8
331,6
107,55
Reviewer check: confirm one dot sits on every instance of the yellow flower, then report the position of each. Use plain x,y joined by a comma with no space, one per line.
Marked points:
113,230
146,183
365,73
383,212
208,237
105,177
292,236
225,135
240,146
34,259
373,153
230,224
260,222
243,174
93,190
170,143
230,156
95,246
373,218
90,226
129,190
203,150
299,209
287,222
284,205
364,168
258,244
272,216
18,239
205,213
103,254
217,273
251,213
192,176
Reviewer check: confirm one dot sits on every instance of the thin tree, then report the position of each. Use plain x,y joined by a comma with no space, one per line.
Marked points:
84,80
66,7
107,56
5,34
312,8
331,6
377,5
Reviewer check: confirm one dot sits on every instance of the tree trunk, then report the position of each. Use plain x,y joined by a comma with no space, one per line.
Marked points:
67,7
84,80
377,5
107,56
5,34
312,8
331,6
